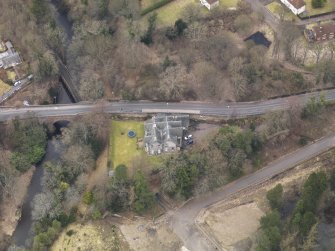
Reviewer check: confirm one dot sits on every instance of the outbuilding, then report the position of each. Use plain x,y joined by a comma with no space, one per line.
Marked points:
210,4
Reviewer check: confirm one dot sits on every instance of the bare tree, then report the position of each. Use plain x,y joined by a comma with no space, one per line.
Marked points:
219,49
289,33
91,87
209,81
331,47
191,13
317,51
42,205
78,159
240,82
172,84
188,58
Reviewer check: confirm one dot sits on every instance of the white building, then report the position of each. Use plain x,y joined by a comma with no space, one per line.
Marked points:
210,4
296,6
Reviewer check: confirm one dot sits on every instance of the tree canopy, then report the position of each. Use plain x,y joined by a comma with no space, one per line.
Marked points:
29,141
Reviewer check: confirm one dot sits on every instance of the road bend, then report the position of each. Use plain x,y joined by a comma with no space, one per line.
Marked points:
183,220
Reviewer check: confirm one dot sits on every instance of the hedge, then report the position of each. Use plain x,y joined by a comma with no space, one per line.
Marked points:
155,6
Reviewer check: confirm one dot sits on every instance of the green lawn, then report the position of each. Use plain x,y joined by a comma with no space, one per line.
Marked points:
123,149
329,6
168,14
229,3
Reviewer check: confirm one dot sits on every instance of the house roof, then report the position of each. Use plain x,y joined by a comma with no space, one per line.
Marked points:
164,131
11,60
212,1
324,29
297,3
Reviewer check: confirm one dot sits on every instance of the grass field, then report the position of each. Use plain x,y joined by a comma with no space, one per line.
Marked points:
168,14
122,148
4,87
329,6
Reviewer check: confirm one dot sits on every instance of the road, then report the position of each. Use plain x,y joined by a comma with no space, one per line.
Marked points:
14,89
227,110
182,221
274,22
269,18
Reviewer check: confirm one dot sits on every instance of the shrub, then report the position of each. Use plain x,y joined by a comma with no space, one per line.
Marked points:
70,232
332,181
29,140
303,216
303,141
143,197
318,3
271,232
88,198
96,214
274,197
313,107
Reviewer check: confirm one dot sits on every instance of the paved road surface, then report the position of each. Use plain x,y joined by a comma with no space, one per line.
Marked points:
182,221
273,21
14,89
228,110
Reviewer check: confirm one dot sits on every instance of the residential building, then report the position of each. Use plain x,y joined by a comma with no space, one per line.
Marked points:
9,57
320,32
164,133
296,6
210,4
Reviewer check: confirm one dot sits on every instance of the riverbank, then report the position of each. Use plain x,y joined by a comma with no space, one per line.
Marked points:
11,206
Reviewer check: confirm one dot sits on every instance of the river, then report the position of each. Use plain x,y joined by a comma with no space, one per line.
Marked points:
23,232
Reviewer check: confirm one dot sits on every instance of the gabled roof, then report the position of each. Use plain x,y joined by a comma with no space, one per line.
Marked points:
297,3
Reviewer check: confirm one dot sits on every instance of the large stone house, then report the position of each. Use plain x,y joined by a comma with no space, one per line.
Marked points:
164,133
296,6
9,57
210,4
